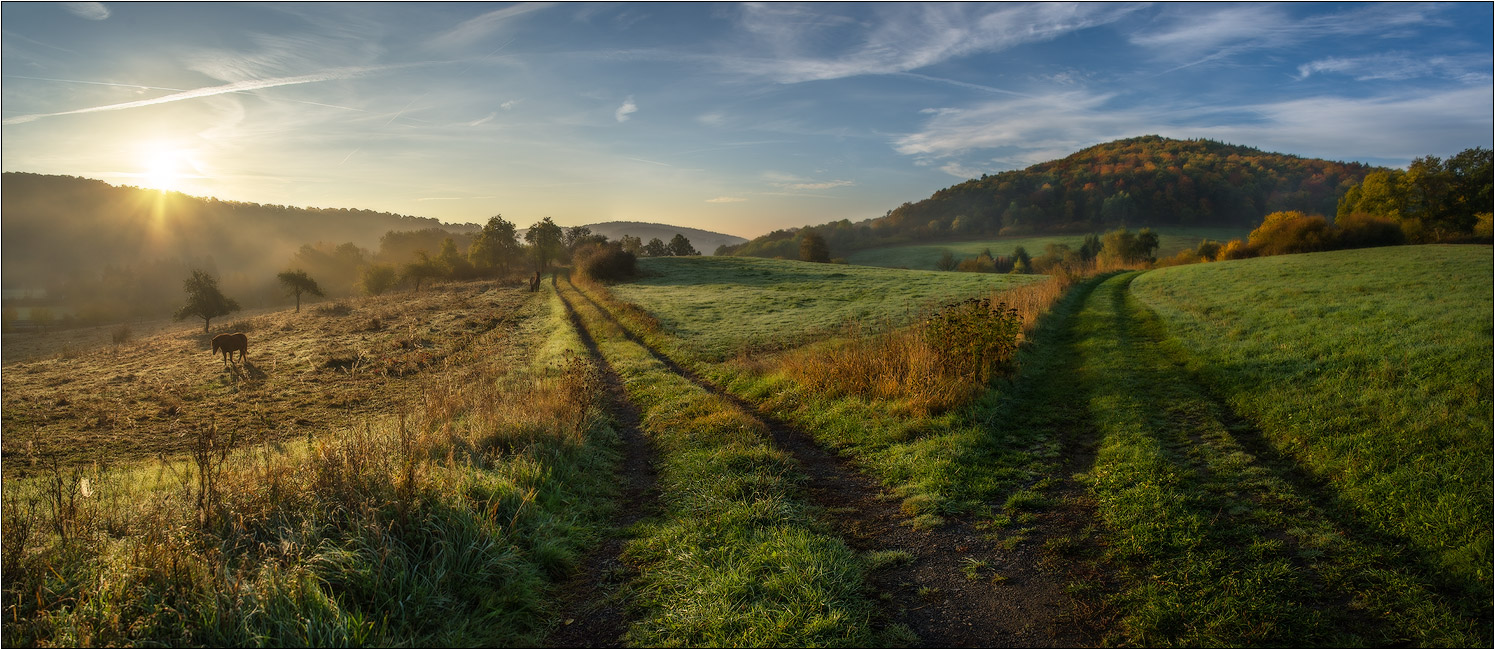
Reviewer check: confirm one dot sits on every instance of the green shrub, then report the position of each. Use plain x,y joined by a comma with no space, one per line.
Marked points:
975,338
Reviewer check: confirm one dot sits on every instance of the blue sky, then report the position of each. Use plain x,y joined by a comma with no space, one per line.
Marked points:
739,118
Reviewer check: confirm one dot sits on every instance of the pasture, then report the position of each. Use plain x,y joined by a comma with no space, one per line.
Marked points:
718,307
331,366
925,256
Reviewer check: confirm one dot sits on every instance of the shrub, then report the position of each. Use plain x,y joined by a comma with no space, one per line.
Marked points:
1235,249
605,261
1360,230
1281,233
1484,226
976,338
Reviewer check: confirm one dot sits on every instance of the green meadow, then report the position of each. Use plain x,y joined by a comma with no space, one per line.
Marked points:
925,256
719,306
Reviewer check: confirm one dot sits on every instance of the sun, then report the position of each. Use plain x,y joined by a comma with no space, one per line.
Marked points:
166,168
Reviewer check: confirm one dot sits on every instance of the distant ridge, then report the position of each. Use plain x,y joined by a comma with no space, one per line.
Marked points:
1143,181
705,241
59,226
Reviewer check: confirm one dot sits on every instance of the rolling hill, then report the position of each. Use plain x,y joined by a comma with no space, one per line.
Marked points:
1144,181
705,241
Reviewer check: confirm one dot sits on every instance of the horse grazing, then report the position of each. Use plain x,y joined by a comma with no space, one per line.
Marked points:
231,343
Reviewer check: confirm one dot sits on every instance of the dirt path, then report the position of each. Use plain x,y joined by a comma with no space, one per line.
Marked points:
594,615
942,593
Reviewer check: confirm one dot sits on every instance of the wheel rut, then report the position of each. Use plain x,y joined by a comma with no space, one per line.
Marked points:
1017,600
594,614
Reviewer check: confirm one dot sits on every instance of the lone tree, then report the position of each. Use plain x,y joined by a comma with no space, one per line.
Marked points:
812,248
298,282
204,300
545,238
494,247
680,246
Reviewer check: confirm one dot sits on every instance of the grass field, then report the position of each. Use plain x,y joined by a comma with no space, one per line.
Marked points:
925,256
1370,368
720,306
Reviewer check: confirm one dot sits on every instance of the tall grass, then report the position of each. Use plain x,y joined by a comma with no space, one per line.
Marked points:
912,367
444,526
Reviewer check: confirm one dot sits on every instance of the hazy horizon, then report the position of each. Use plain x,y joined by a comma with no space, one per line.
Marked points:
739,119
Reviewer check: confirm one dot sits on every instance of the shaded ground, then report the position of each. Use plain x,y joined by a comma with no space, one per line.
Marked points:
594,614
330,366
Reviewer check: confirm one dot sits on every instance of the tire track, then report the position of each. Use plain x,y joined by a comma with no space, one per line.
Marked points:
930,594
594,615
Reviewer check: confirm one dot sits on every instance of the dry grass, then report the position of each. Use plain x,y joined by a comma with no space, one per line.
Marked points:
330,366
345,538
905,366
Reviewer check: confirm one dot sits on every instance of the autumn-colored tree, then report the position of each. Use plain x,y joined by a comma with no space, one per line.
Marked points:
204,300
298,282
1291,231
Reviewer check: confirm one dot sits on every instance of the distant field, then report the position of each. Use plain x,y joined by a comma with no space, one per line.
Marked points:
924,256
717,306
1370,368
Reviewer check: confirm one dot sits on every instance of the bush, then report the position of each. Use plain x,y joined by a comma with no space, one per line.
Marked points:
1282,233
1360,230
605,261
976,338
1235,249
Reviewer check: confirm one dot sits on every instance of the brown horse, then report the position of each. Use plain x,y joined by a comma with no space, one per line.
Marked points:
231,343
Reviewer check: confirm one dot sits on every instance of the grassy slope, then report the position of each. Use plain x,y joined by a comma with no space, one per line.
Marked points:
924,256
719,306
1220,540
1371,368
347,538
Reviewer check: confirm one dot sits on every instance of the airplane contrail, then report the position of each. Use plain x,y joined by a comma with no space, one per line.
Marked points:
235,87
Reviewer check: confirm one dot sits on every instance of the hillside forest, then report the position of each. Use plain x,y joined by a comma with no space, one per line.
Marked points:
1162,182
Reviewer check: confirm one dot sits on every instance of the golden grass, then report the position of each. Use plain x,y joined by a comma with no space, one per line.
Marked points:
331,366
904,365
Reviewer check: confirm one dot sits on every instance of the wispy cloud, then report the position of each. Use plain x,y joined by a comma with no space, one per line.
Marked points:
797,183
726,199
626,110
473,30
485,120
1398,66
236,87
89,10
902,37
1224,31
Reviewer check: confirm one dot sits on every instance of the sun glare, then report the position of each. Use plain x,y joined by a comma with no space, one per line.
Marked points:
166,168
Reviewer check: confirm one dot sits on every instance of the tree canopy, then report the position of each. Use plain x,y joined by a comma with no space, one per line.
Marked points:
298,282
204,300
546,242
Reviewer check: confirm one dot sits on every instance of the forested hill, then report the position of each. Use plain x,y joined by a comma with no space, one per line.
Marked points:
57,227
1144,181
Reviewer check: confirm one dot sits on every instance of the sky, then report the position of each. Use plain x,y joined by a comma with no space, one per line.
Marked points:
737,118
